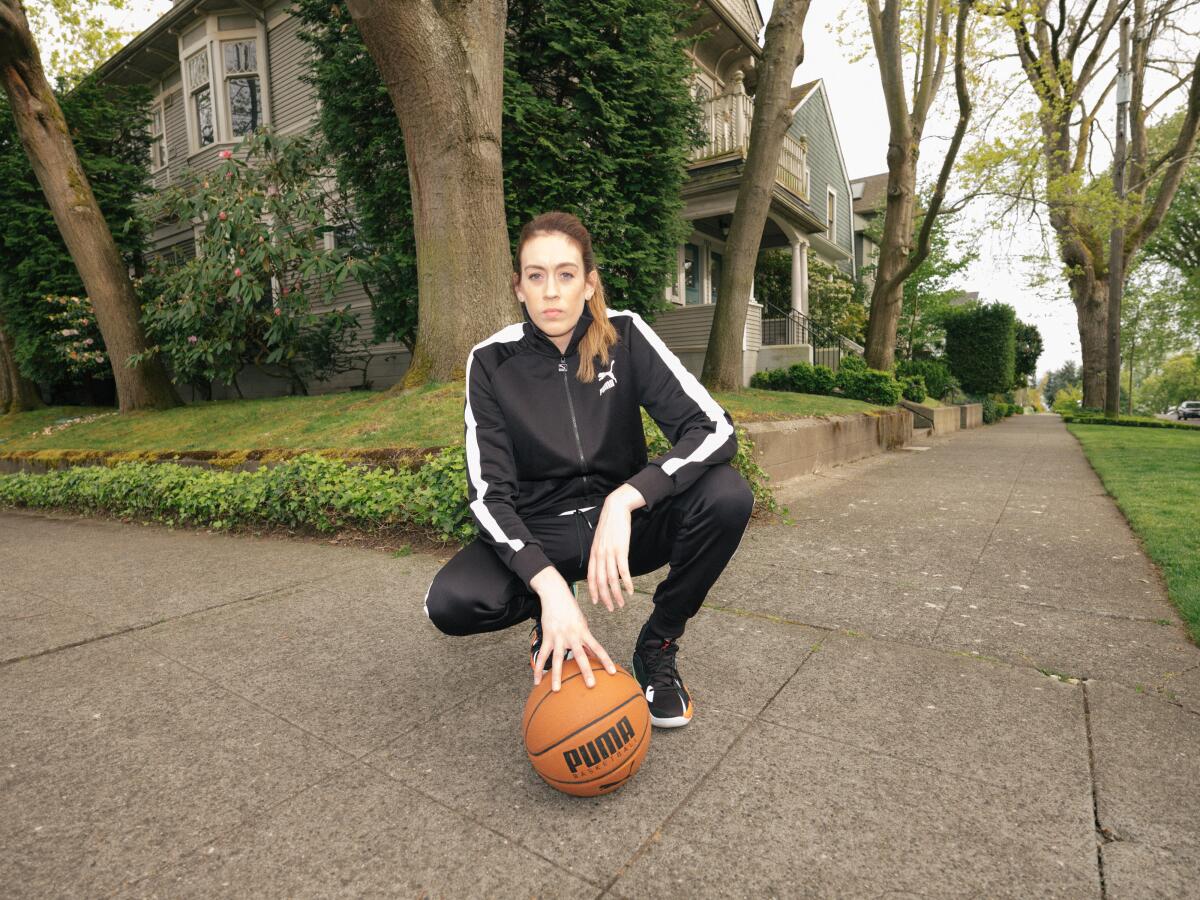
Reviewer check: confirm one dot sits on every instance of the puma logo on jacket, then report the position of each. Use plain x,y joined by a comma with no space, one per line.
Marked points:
539,441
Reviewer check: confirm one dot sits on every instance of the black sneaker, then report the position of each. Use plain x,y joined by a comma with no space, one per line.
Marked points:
535,645
654,667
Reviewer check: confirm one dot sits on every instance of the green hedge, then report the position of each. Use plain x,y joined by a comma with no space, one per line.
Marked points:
981,344
800,378
914,388
308,492
1136,423
938,380
991,411
870,385
853,380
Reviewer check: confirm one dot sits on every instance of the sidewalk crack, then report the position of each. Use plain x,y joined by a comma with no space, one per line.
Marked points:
982,550
1104,835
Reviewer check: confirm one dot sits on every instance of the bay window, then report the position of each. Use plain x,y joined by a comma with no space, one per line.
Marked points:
240,60
158,142
200,87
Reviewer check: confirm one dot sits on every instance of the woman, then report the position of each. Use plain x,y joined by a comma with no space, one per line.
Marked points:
559,482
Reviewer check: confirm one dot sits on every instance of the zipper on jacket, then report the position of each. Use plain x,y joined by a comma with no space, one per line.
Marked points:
562,367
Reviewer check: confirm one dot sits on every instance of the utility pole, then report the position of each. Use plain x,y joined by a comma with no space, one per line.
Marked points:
1116,248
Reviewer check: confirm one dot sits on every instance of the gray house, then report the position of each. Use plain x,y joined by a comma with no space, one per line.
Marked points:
220,68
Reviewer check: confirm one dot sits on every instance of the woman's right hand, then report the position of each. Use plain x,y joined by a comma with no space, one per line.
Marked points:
564,628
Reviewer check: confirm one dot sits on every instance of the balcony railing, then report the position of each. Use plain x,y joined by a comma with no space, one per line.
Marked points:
727,119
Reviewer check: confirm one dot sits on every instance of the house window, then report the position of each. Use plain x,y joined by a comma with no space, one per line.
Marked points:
691,275
831,214
714,276
158,143
240,59
199,83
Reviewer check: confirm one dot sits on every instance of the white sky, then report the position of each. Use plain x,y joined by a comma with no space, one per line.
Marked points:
861,119
858,111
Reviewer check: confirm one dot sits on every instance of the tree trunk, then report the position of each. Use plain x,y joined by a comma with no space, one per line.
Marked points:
47,142
17,393
887,295
443,65
1091,310
783,51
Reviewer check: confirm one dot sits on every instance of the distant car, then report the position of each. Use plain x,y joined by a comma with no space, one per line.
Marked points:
1189,409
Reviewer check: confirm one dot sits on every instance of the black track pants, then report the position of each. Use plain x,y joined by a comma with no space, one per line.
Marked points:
696,531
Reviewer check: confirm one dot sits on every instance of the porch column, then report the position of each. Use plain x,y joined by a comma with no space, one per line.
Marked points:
800,276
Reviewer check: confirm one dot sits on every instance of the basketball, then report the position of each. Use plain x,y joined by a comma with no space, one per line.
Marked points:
587,741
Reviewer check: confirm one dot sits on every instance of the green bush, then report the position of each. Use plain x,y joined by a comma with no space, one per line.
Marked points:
869,385
852,362
1018,410
769,380
1068,400
913,387
800,378
853,379
981,346
806,379
936,375
307,492
990,412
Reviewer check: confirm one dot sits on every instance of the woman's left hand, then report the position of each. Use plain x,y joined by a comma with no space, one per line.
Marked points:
608,565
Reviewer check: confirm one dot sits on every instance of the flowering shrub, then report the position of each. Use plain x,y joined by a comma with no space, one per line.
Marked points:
76,338
247,297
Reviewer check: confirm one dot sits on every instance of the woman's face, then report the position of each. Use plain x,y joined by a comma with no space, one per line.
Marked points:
552,285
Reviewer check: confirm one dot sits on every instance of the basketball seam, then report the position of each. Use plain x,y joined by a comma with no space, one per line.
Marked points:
567,737
632,757
549,694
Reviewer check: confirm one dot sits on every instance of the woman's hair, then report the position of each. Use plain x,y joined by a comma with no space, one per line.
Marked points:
600,334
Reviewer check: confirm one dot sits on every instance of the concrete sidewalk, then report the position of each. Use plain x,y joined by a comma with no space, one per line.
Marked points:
956,674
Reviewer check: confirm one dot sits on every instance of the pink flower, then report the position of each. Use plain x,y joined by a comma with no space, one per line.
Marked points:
278,310
237,273
225,154
221,215
285,290
192,339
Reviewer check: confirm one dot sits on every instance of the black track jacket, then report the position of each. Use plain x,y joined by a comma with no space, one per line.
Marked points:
539,442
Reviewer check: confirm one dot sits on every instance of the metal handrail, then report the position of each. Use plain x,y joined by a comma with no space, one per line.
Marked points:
794,327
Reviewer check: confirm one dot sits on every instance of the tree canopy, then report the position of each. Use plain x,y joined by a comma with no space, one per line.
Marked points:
597,121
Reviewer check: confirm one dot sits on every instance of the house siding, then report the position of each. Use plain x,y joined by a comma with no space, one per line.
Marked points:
293,101
825,168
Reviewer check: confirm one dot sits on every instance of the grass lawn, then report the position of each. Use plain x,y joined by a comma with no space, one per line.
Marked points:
425,417
1154,474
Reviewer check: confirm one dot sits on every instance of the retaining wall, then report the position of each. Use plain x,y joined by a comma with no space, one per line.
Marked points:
971,415
803,446
942,419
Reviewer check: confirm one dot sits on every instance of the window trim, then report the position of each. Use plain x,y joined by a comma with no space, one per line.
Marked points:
159,106
831,213
208,38
240,37
190,92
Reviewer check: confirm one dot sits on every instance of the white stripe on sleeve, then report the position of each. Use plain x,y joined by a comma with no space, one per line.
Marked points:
693,388
474,471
